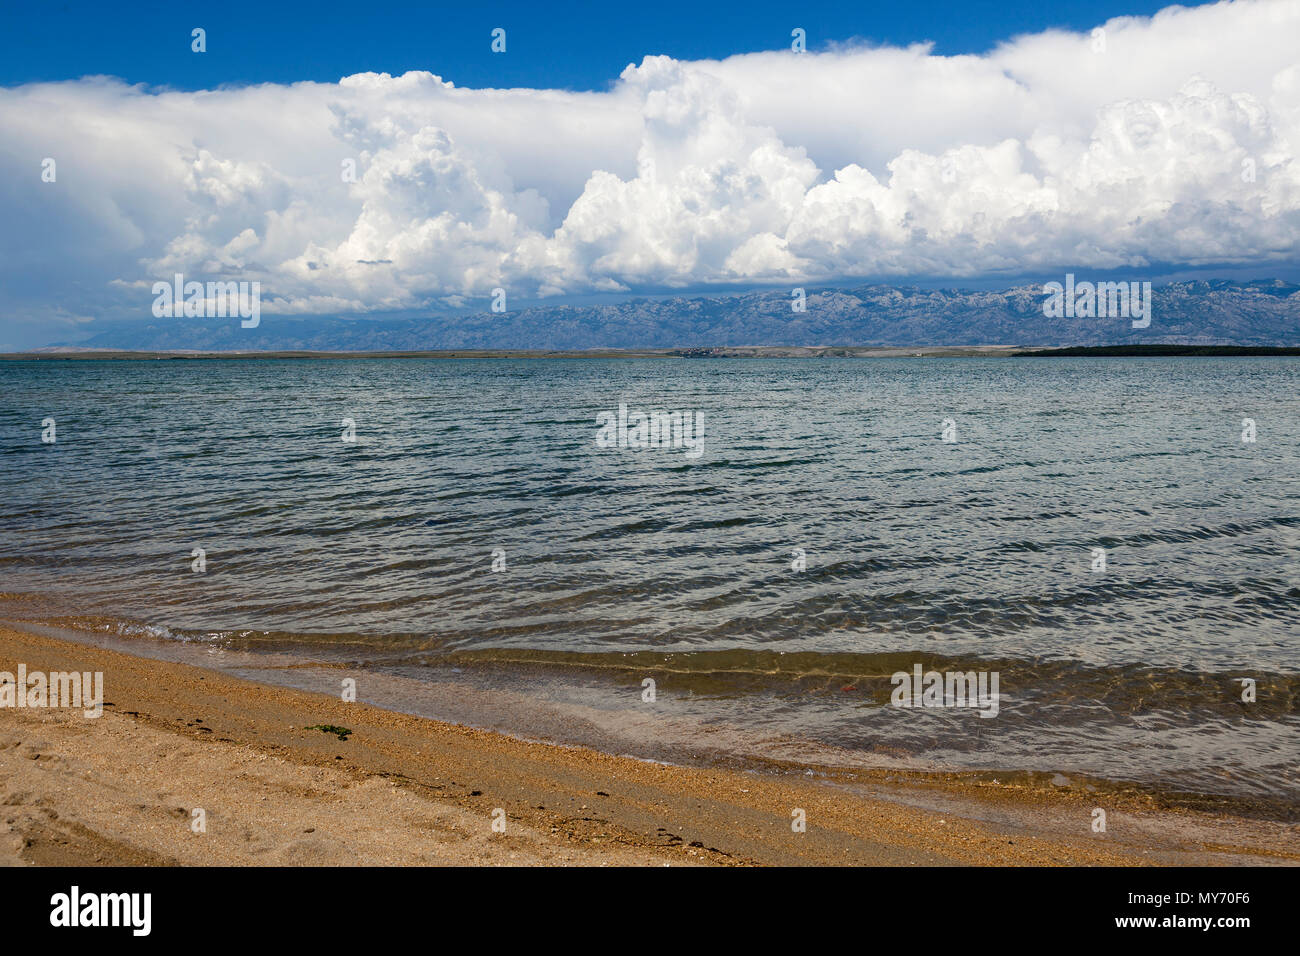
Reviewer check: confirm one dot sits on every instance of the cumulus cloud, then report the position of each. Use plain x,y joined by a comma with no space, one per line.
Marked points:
1166,140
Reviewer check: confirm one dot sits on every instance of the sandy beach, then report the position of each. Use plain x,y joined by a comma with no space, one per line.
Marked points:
122,789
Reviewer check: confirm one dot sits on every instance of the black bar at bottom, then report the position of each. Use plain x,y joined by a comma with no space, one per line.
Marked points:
840,908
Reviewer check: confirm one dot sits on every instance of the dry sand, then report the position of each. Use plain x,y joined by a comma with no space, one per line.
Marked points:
122,788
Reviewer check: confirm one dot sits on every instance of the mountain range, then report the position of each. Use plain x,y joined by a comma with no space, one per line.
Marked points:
1215,312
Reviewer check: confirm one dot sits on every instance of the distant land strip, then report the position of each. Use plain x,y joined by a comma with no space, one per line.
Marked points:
722,352
1159,350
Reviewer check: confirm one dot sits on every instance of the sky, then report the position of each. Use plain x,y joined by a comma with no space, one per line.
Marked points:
579,46
373,159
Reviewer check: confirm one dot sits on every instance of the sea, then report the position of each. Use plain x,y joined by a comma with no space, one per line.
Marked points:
743,562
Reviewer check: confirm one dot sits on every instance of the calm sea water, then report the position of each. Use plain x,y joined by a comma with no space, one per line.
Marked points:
623,565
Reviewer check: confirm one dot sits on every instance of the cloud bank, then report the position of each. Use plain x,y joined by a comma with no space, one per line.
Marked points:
1167,140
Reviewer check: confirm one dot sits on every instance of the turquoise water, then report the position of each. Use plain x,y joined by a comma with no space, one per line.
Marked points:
623,564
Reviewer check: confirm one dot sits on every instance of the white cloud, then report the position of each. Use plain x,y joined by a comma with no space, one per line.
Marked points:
774,166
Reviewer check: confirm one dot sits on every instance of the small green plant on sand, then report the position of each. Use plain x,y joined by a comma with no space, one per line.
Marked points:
342,732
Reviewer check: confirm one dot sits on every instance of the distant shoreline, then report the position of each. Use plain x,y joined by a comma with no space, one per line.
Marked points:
719,352
1161,351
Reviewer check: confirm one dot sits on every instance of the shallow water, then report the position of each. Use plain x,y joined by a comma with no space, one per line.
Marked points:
622,565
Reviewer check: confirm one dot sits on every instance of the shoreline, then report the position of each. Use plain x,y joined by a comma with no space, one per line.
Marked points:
121,790
540,702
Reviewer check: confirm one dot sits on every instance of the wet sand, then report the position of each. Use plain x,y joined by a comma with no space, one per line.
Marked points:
122,789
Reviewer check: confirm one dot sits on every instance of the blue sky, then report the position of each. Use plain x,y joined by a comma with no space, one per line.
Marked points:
580,46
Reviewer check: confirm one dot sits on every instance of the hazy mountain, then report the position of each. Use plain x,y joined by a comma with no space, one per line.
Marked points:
1219,312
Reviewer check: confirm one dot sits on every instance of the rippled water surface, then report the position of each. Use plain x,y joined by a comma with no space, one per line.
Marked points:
622,565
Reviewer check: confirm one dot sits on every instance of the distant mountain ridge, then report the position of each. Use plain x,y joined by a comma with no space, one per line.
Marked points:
1216,312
